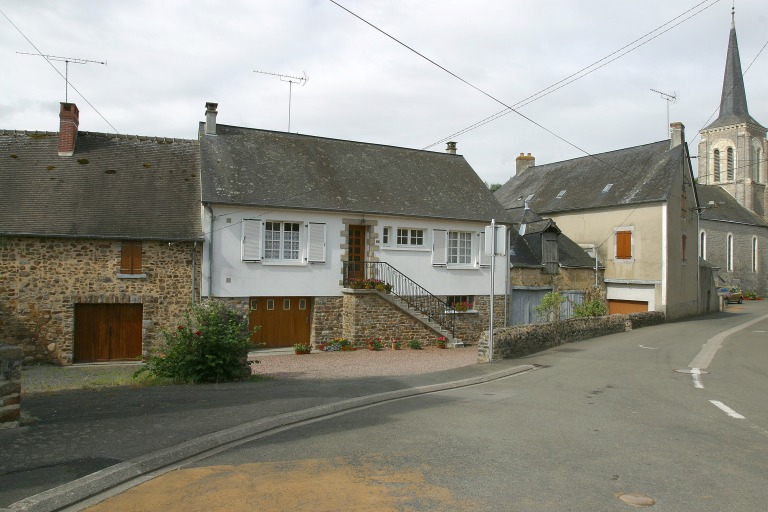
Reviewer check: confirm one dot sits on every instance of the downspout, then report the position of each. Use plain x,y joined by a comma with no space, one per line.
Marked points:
194,271
507,286
210,252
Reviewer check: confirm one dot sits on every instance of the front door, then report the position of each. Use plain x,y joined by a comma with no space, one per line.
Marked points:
356,252
107,332
282,321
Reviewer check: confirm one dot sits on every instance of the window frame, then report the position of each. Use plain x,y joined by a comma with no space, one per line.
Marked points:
464,255
729,253
703,244
716,165
755,250
409,234
623,232
311,245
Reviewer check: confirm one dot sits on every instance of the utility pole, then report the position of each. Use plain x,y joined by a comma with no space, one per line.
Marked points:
66,61
291,80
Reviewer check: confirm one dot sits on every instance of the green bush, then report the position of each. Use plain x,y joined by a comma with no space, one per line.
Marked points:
751,295
414,344
593,307
211,346
549,307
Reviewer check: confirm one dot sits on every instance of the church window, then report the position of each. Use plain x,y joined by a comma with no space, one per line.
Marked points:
703,244
758,167
729,253
716,160
754,254
729,163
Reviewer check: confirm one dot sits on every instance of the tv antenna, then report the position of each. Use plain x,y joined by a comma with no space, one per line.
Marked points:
66,61
670,98
291,80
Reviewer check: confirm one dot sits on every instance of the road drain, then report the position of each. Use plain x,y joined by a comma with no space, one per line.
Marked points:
637,500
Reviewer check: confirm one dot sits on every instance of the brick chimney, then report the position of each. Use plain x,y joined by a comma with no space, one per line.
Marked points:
678,134
69,120
210,118
523,162
450,148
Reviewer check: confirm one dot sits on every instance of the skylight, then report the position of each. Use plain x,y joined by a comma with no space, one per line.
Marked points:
561,194
607,188
529,197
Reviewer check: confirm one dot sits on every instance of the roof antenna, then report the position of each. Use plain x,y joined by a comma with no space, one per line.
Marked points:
66,61
671,98
291,80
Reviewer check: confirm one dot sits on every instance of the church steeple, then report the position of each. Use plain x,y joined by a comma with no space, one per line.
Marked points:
733,101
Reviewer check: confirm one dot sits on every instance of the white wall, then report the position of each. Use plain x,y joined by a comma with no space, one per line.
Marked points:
233,277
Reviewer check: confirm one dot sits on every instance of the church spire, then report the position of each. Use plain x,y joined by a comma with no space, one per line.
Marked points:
733,102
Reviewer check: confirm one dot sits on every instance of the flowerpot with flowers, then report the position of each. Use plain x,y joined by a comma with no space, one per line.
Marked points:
375,344
461,306
302,348
441,341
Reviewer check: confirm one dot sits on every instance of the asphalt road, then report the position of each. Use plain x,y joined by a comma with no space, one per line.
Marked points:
607,424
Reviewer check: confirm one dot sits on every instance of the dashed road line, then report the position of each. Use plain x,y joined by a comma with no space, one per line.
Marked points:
727,410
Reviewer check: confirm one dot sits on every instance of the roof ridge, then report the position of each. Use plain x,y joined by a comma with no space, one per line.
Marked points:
26,132
592,155
142,138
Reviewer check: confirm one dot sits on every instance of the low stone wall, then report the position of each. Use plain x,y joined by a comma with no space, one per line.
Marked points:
521,340
10,385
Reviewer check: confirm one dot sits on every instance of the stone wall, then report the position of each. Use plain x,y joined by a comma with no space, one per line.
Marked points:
327,319
742,275
521,340
10,386
43,278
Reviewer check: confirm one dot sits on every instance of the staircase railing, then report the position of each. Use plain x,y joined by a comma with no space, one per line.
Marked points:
357,274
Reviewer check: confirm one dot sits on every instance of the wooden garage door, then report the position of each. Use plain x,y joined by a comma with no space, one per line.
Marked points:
107,332
524,302
283,320
623,307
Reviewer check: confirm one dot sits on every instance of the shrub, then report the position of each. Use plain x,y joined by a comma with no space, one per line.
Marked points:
549,307
339,344
211,346
375,344
751,295
414,344
593,304
302,348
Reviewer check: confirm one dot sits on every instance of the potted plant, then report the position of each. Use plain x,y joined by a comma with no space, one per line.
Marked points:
462,306
396,345
414,344
375,344
441,341
302,348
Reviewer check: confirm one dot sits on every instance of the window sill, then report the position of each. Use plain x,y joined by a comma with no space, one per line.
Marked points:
451,311
454,266
131,276
414,248
281,263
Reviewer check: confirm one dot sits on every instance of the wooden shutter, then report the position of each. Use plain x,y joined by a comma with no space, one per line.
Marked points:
484,258
251,245
623,245
130,258
316,243
439,247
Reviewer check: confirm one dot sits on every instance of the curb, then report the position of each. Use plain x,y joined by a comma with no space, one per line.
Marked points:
88,486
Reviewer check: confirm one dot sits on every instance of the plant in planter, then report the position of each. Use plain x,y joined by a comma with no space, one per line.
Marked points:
358,283
375,344
414,344
441,341
396,345
302,348
462,306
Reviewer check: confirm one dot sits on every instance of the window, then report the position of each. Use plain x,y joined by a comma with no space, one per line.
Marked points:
459,248
302,304
716,161
758,166
286,304
385,234
130,258
703,244
729,253
623,245
468,300
407,237
270,304
281,241
729,164
561,194
754,254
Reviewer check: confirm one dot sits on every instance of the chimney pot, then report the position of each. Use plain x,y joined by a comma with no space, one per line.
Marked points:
450,148
210,118
678,134
69,121
523,162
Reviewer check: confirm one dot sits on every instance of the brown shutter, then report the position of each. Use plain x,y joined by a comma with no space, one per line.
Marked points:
130,258
623,244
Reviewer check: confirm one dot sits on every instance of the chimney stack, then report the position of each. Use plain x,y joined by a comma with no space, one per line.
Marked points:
69,120
451,148
523,162
210,118
678,134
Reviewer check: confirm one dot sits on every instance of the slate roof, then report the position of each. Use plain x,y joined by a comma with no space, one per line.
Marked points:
733,100
115,186
727,207
637,175
244,166
525,249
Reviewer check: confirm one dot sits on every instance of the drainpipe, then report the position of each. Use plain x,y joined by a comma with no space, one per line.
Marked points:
194,271
507,286
210,253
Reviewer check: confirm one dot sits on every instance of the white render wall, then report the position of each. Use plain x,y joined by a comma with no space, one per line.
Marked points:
233,277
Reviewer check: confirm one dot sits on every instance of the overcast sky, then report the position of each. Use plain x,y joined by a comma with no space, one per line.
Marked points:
167,58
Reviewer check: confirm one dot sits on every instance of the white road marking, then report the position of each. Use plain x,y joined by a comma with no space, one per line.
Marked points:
727,410
695,372
649,348
707,353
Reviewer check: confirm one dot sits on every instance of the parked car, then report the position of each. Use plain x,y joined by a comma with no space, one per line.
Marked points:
731,294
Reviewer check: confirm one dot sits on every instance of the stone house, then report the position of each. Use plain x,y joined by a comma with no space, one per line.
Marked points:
294,223
542,259
100,239
637,206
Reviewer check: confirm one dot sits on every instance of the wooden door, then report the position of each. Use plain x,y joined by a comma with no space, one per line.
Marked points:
524,302
356,252
624,307
283,321
107,332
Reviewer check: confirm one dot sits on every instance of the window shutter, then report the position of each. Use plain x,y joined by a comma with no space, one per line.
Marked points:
439,247
130,258
251,250
316,245
623,245
484,258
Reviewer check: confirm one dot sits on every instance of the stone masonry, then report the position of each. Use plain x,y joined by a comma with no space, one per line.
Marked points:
10,386
41,280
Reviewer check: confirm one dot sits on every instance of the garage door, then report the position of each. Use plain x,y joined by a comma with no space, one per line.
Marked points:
283,321
107,332
623,307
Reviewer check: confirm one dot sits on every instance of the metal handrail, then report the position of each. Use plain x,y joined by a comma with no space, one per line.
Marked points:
413,294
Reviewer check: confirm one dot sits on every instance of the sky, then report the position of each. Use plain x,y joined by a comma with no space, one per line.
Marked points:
166,59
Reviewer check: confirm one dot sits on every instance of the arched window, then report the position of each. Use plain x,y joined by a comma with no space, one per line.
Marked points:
758,166
754,254
729,254
716,160
703,244
729,163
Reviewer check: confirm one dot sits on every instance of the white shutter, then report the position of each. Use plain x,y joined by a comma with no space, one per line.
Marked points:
439,247
251,246
485,258
316,243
